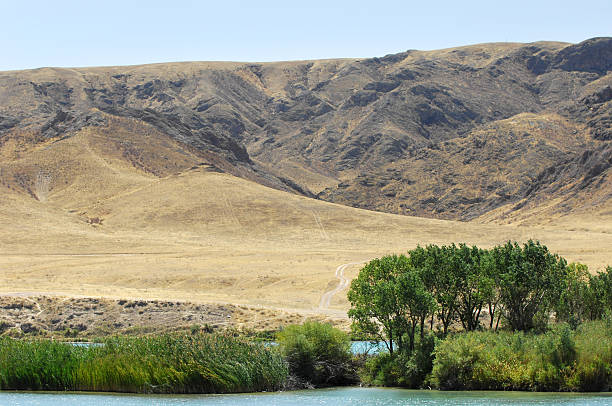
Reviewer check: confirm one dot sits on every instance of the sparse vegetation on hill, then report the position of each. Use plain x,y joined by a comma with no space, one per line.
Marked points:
420,127
489,131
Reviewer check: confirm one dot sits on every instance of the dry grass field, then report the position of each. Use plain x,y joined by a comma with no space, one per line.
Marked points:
189,182
105,228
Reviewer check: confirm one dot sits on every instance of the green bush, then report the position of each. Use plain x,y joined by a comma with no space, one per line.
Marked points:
381,370
317,353
556,356
593,370
560,360
479,360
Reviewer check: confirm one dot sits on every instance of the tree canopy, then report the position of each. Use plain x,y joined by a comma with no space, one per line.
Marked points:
397,297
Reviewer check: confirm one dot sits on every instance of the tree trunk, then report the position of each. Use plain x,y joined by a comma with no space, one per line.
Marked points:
412,333
422,327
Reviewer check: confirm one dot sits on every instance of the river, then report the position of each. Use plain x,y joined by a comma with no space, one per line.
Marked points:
331,397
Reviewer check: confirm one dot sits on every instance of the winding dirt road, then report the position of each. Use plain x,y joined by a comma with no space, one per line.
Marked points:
342,284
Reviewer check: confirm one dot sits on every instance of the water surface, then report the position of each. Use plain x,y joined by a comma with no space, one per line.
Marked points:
331,397
357,347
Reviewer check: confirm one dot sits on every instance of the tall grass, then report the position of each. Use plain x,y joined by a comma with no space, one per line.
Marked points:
318,354
162,364
560,360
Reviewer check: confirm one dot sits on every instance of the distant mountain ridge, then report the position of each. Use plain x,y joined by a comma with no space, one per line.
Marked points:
491,132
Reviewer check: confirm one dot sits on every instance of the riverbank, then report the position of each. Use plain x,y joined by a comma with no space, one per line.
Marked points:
559,360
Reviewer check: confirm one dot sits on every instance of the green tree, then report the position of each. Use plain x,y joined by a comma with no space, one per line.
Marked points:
389,299
490,282
377,307
530,281
472,283
574,298
437,269
598,297
418,304
419,260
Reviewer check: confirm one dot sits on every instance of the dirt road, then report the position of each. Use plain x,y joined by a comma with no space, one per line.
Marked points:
342,284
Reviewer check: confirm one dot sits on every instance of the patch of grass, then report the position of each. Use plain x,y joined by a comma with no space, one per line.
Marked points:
400,369
161,364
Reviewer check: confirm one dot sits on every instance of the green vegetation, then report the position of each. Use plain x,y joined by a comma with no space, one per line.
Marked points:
309,354
401,369
559,360
163,364
530,280
389,300
584,296
452,317
413,302
317,354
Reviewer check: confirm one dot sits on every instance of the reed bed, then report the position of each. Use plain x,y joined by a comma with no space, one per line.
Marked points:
160,364
560,360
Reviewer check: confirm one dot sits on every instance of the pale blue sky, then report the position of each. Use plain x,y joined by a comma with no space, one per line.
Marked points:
87,33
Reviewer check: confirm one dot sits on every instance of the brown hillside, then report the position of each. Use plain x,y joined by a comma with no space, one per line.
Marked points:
206,236
195,181
411,133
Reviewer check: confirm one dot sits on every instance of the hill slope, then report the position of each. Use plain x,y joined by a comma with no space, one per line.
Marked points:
195,180
119,231
423,127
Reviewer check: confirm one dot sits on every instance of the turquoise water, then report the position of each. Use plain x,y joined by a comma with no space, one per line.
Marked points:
367,347
330,397
357,347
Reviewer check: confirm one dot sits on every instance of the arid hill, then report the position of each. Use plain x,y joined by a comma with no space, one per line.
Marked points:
199,181
480,132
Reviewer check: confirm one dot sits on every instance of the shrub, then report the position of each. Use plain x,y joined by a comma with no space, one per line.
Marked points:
381,370
317,353
479,360
401,369
556,356
561,359
593,370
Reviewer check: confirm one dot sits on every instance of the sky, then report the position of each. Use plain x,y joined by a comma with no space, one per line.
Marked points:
70,33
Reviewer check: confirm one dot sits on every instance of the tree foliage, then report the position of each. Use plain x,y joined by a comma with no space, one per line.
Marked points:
446,288
530,280
389,299
397,297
